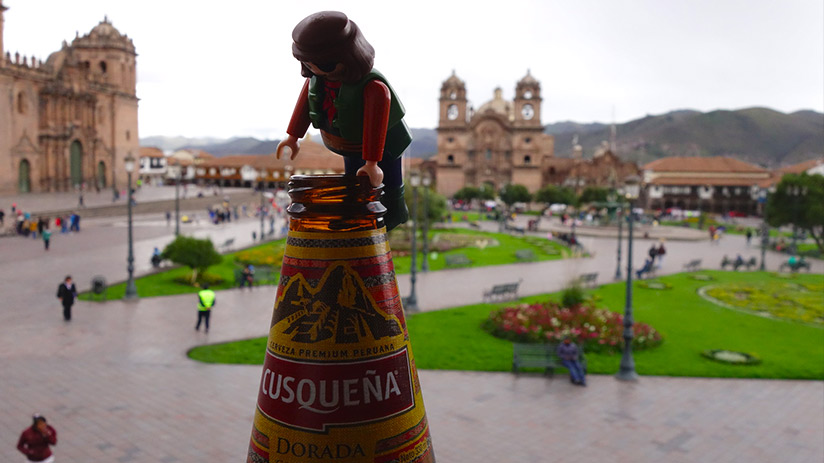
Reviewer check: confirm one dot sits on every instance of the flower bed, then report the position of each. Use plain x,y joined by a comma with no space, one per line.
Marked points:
781,299
596,329
654,284
259,257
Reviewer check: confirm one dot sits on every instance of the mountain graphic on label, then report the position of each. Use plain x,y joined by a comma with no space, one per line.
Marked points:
339,308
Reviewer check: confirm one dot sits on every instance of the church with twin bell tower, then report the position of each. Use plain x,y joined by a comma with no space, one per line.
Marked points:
501,143
68,122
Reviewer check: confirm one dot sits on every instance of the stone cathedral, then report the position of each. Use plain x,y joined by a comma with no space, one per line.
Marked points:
68,123
500,143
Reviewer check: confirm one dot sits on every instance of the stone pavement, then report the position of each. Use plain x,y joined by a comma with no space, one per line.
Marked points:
117,384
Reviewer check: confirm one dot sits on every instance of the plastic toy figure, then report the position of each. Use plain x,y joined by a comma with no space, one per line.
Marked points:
357,112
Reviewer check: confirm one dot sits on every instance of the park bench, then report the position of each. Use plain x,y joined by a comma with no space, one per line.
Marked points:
752,262
798,265
502,292
726,261
228,244
457,260
539,356
693,265
588,279
525,254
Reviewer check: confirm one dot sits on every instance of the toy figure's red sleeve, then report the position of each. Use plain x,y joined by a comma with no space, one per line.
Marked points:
300,121
376,101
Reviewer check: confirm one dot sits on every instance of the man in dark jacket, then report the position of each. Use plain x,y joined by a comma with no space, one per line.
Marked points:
67,292
35,441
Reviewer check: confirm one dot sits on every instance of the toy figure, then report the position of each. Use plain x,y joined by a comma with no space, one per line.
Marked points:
357,112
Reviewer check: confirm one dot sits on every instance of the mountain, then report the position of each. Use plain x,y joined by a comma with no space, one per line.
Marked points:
757,135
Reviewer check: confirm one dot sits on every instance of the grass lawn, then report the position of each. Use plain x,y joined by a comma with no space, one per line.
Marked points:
163,284
452,339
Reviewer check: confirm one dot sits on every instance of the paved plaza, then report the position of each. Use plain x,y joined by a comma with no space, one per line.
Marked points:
118,387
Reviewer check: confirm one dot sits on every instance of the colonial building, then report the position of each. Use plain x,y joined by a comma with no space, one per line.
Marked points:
712,184
604,170
501,143
152,165
68,122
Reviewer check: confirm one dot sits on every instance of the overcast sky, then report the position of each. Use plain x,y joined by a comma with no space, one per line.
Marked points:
224,68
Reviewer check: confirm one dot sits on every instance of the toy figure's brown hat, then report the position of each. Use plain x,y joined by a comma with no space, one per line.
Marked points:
329,37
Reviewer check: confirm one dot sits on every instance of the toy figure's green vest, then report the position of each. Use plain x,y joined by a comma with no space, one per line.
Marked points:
349,117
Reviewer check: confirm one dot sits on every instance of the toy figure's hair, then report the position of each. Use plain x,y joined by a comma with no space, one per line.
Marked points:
329,37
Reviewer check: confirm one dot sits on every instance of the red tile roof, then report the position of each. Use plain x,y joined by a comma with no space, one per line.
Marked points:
150,152
802,166
702,164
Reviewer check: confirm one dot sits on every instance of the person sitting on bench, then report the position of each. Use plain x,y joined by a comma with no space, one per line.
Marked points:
568,353
645,269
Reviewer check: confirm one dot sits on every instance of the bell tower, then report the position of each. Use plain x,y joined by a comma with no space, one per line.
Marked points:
2,47
453,105
528,102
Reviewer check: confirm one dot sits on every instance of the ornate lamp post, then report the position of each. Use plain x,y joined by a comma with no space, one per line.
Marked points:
796,194
632,190
765,230
262,180
619,212
177,200
411,302
131,289
426,180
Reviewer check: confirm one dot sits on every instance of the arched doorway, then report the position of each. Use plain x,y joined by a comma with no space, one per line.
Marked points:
76,163
24,177
101,174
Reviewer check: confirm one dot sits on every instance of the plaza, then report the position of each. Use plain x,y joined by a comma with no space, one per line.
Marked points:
117,385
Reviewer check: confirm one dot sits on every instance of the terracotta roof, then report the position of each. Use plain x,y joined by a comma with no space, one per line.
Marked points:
802,166
702,164
719,181
313,156
151,152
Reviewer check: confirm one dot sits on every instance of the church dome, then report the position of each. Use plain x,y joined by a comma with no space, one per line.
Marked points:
498,105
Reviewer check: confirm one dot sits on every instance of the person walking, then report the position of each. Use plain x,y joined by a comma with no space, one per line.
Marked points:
35,441
660,253
206,299
46,237
67,292
749,236
570,358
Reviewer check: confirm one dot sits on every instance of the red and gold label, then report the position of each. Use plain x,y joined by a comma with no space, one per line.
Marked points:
339,381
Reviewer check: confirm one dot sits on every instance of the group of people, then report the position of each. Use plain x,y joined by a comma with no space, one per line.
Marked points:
27,225
654,260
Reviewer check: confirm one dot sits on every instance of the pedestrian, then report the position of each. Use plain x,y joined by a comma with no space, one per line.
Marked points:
749,236
46,237
205,301
653,252
168,218
67,292
570,355
33,228
35,440
2,217
660,253
247,276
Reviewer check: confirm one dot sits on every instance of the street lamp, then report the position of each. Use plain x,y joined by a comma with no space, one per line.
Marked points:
427,180
797,194
177,201
131,289
411,303
262,179
765,229
632,190
619,212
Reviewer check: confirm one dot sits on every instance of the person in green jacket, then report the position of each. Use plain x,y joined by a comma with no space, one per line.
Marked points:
205,301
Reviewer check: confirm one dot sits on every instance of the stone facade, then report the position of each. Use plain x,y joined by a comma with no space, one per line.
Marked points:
501,143
68,122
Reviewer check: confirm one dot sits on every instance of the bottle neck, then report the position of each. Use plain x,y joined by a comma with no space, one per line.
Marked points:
324,203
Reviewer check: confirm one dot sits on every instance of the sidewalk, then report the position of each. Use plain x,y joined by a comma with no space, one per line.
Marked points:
117,385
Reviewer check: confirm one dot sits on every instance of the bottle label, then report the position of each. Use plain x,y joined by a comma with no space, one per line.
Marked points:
339,381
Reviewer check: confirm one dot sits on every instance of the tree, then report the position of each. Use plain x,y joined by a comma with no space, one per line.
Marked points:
593,194
806,210
467,194
552,194
487,193
196,254
511,194
435,204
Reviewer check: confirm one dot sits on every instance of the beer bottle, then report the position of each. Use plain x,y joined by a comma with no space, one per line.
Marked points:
339,382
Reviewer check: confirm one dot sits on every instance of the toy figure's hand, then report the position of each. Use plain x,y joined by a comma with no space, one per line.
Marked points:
290,142
373,171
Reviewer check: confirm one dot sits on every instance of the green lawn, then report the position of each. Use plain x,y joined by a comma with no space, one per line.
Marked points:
452,339
481,253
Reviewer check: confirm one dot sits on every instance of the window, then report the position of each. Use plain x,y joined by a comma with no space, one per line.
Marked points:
21,103
450,139
128,135
527,159
488,154
103,67
450,159
527,140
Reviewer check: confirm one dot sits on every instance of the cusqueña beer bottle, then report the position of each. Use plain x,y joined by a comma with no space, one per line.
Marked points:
339,382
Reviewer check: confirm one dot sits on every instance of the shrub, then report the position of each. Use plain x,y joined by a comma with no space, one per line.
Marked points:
199,280
593,328
194,253
573,296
